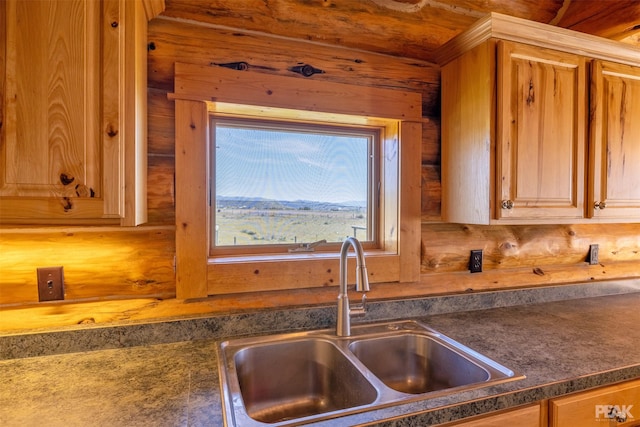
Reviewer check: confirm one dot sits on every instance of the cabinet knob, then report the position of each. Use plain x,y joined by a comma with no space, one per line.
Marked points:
507,204
600,205
616,414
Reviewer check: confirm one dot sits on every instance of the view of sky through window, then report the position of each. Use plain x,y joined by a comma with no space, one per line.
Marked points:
282,186
289,165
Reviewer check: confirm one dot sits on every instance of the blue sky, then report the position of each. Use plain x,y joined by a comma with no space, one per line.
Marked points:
290,165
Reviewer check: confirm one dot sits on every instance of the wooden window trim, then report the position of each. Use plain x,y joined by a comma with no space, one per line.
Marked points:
196,87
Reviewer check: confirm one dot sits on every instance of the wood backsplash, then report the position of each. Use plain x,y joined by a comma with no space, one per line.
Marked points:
124,263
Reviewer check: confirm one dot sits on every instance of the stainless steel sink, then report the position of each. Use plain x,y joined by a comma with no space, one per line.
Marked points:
413,363
296,378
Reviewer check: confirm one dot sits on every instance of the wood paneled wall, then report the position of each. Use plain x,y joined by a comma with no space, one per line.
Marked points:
125,263
99,262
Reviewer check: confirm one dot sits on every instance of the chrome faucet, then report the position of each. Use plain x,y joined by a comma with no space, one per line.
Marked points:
345,311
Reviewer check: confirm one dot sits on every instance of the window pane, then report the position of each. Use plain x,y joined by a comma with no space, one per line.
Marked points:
285,185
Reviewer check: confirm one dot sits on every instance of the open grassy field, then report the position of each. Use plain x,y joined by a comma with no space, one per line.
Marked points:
255,227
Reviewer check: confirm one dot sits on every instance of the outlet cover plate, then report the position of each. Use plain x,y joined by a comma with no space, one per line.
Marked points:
593,254
50,283
475,261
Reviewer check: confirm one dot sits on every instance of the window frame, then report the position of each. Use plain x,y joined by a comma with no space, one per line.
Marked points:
201,91
274,120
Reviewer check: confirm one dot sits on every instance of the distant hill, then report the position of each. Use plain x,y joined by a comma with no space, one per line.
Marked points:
258,203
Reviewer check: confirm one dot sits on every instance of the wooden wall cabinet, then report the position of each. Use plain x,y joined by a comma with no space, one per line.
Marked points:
614,189
516,126
615,405
73,137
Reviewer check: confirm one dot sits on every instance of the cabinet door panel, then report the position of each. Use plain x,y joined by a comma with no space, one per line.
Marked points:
529,416
593,408
53,56
73,111
615,141
541,133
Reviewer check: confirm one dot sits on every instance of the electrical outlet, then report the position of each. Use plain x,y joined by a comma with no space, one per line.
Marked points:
592,258
475,261
50,283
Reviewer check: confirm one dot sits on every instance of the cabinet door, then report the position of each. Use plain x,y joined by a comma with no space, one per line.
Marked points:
541,133
615,405
50,154
529,416
614,189
73,110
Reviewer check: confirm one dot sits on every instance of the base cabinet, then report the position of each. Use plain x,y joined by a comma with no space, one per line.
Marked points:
529,416
617,405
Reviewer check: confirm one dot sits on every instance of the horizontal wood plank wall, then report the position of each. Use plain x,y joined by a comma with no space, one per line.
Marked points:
139,267
99,262
527,246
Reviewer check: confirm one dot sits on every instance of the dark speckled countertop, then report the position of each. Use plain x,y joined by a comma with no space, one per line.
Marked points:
563,338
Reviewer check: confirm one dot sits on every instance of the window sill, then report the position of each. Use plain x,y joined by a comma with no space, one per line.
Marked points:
303,256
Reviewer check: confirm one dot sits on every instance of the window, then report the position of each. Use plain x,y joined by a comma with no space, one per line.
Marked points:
385,124
292,186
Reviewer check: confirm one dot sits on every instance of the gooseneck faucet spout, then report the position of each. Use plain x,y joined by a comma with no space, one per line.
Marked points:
345,311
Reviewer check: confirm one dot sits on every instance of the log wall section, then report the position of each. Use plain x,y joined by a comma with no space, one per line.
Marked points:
134,266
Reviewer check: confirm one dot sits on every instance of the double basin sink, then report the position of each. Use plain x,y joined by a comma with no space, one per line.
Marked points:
303,377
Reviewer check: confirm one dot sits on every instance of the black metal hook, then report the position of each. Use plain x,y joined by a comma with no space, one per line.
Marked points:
240,66
306,70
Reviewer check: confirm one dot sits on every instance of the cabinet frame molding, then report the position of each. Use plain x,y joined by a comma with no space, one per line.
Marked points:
504,27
